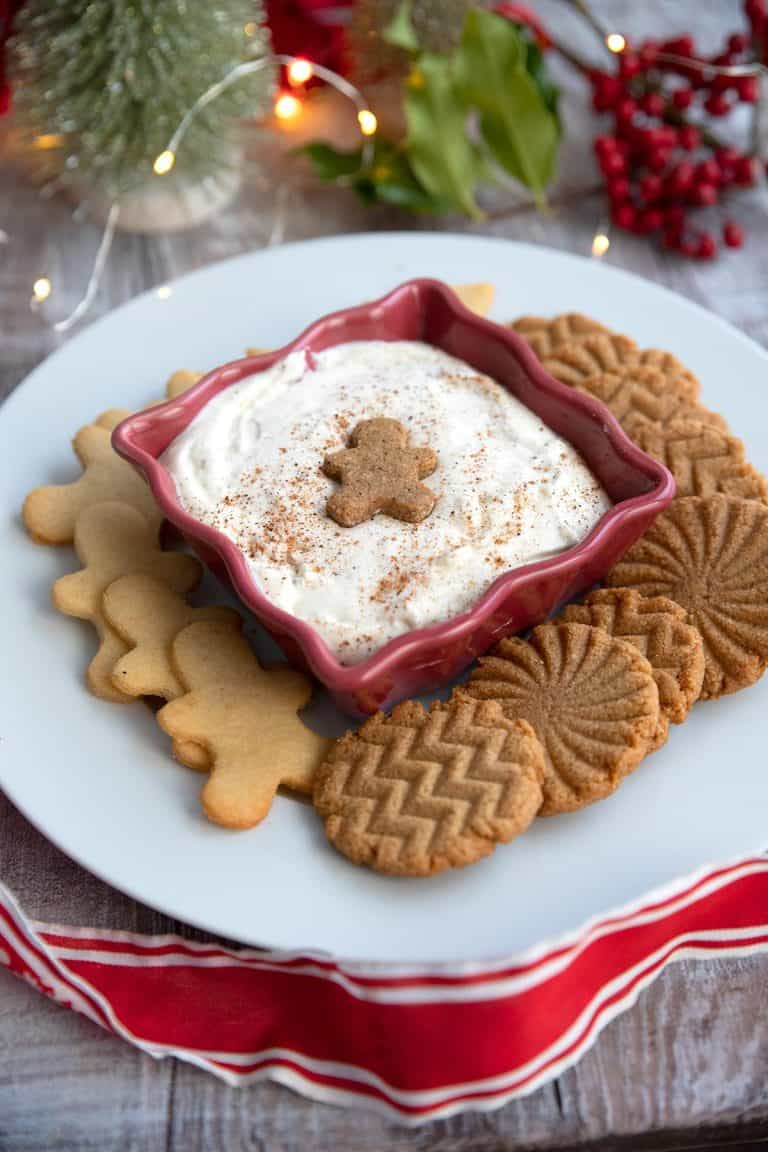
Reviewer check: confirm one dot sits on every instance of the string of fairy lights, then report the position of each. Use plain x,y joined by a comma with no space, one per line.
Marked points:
288,105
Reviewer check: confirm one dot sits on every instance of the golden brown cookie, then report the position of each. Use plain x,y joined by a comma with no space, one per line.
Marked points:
180,382
636,395
702,459
246,718
710,555
669,365
112,417
380,472
50,512
593,356
590,698
477,297
148,615
112,540
545,333
657,627
417,792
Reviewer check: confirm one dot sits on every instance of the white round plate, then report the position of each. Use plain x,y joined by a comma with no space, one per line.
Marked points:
98,778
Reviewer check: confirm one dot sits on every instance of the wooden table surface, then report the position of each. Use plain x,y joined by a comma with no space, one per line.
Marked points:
688,1065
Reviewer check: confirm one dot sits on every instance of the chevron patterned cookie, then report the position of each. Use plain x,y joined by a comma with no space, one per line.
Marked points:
710,555
657,627
544,333
416,792
112,540
245,716
702,459
50,512
638,394
590,698
594,355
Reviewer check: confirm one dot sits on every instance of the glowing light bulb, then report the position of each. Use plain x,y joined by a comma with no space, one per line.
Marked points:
250,28
367,121
41,289
600,244
164,291
615,42
164,162
299,72
287,107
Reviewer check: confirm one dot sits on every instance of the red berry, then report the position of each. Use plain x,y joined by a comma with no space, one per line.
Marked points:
747,89
649,50
613,164
651,187
680,46
629,65
733,235
738,43
606,90
744,171
727,158
682,98
708,172
671,239
704,194
681,178
716,104
674,218
650,220
653,104
618,189
689,137
604,145
688,247
625,109
657,159
706,249
624,216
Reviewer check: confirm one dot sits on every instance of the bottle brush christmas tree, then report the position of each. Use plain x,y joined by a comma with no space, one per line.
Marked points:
101,85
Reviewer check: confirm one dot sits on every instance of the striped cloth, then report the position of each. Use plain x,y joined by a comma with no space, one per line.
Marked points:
415,1043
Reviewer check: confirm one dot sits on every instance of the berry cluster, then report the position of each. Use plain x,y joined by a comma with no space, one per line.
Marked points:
658,166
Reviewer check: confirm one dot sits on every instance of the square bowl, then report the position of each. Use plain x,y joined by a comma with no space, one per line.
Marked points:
424,659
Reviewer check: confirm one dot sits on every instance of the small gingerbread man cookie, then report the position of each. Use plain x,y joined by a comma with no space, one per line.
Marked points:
111,540
380,472
245,716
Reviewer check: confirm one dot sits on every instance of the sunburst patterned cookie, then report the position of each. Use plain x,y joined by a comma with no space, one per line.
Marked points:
590,698
657,626
710,555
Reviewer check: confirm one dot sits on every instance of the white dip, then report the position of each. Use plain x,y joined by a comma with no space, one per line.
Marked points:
509,491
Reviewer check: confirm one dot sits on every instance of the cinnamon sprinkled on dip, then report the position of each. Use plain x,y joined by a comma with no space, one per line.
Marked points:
509,491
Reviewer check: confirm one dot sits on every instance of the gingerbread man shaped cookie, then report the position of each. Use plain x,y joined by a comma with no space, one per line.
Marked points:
380,472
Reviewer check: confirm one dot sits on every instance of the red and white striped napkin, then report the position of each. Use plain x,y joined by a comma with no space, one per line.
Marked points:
415,1043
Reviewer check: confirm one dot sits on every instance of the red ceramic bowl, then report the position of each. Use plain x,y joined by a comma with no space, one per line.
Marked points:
424,659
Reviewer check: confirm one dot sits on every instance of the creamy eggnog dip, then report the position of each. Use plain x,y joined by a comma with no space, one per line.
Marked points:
504,490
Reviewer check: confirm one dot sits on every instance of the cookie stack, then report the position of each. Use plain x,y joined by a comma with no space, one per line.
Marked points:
683,616
152,644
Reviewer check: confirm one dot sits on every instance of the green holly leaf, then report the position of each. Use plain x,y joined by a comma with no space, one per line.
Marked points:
518,126
536,67
443,157
331,163
400,31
